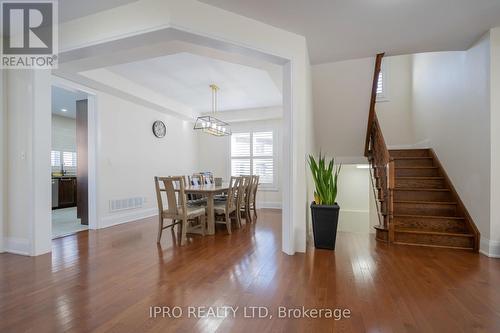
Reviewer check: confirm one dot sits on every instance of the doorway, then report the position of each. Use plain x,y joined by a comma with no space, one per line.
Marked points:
68,156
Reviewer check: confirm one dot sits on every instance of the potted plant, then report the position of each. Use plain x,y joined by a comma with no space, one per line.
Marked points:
324,209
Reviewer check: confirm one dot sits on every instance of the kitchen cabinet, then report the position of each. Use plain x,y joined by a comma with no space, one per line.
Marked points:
67,192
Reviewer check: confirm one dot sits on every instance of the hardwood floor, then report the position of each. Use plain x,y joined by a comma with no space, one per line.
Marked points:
106,281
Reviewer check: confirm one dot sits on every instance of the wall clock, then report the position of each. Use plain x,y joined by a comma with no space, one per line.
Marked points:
159,129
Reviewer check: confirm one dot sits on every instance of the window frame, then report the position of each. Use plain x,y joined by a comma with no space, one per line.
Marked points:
264,187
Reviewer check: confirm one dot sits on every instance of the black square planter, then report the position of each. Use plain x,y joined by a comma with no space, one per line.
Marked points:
325,221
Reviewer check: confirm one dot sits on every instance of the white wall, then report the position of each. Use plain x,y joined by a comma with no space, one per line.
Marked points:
353,199
451,109
129,155
341,95
63,133
493,244
394,113
215,156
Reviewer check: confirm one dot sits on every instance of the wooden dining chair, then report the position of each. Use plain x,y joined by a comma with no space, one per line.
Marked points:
196,179
208,177
176,209
225,210
252,202
244,207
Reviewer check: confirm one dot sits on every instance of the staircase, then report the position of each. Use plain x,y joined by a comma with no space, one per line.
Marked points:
426,209
417,202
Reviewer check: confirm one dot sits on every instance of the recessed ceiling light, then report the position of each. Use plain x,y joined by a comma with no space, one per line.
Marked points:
64,110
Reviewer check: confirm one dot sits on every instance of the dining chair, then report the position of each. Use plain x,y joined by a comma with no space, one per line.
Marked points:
244,207
196,179
208,177
225,209
252,203
177,210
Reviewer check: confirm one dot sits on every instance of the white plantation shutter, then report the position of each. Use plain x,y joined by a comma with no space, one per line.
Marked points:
69,159
252,153
240,167
264,167
55,158
240,145
263,144
380,85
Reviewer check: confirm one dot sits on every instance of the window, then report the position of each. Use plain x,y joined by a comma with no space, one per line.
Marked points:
69,159
55,158
252,153
382,85
63,160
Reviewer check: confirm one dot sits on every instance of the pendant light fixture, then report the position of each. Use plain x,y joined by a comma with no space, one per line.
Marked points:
210,124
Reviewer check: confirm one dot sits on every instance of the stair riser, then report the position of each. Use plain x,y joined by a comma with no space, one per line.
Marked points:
431,224
433,196
426,162
410,153
402,172
420,183
436,240
425,209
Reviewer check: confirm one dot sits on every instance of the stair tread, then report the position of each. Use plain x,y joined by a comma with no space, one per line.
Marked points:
430,216
412,158
421,189
417,177
416,167
407,230
434,245
426,202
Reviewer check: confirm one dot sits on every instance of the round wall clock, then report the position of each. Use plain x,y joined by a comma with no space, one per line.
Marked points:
159,129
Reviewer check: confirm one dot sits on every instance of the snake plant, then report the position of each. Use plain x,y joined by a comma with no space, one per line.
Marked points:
325,179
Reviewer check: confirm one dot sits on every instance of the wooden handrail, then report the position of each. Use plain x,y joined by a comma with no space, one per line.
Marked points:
373,100
380,159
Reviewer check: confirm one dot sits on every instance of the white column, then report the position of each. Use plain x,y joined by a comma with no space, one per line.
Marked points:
2,159
28,162
493,243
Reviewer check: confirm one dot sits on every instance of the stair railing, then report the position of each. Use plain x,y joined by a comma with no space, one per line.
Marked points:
380,161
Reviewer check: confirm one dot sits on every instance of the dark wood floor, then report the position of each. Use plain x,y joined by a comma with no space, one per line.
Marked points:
106,281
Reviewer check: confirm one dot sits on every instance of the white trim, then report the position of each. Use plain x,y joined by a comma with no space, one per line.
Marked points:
16,245
130,216
93,141
287,220
490,248
269,204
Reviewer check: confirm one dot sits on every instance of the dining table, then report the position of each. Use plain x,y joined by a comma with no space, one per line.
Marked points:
209,191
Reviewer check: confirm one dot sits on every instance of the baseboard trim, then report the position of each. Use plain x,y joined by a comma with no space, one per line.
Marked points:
130,216
268,204
490,248
15,245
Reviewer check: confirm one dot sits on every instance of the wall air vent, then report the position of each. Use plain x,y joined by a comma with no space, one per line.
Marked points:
127,203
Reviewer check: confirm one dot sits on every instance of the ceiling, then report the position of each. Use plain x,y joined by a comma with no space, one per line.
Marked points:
185,78
72,9
347,29
65,99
